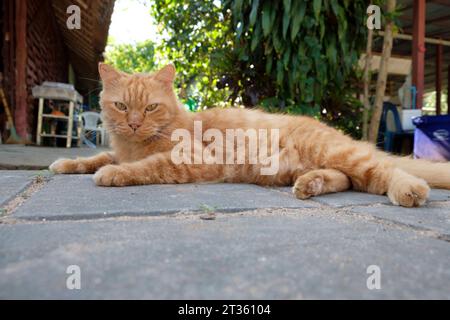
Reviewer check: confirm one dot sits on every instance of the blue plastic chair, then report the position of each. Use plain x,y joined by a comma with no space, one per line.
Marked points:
391,129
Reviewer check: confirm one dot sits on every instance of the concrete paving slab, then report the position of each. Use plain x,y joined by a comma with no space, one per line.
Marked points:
256,256
343,199
13,183
433,217
350,198
439,195
354,198
77,197
13,157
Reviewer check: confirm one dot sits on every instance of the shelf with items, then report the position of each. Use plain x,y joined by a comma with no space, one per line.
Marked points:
51,116
58,116
62,136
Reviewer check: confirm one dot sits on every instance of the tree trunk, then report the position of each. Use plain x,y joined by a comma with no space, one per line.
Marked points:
382,75
367,106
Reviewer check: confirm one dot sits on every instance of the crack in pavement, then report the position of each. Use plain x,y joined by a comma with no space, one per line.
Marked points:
36,184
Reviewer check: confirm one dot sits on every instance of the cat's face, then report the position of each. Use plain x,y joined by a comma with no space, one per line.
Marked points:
137,107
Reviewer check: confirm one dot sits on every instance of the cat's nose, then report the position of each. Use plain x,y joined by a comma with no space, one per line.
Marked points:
134,126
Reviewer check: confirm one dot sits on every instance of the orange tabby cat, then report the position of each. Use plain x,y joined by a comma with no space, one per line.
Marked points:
141,112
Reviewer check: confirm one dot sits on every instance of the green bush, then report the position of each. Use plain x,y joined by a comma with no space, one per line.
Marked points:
293,56
139,57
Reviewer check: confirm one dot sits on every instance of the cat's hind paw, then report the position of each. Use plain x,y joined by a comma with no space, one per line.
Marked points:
409,192
308,186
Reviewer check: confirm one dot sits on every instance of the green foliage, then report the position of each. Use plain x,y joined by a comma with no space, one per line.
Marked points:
308,48
293,56
196,34
139,57
343,110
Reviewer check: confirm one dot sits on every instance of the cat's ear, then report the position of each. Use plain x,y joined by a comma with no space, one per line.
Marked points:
108,74
166,74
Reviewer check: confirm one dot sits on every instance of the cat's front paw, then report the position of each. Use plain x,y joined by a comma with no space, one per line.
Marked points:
113,176
67,166
409,192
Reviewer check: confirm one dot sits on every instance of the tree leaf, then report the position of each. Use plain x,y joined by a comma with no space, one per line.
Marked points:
286,22
237,10
287,5
280,73
286,57
322,28
254,12
317,5
331,51
277,42
267,21
299,14
335,7
237,6
256,37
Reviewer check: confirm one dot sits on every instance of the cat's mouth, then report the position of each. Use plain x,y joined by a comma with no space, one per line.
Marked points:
144,135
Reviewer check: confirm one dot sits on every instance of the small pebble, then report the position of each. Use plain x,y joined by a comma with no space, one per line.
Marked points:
209,216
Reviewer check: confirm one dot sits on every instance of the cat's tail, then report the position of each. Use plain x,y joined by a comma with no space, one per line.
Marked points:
437,174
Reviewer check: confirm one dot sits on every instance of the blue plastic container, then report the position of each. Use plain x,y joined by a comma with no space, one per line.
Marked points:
432,137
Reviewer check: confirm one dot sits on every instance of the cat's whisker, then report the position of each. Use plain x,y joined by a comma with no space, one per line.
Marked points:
90,79
163,135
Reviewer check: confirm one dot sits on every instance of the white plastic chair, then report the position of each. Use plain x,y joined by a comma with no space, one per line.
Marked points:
91,121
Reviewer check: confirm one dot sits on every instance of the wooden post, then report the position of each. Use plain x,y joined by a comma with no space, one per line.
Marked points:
418,50
21,69
70,124
448,90
382,75
439,50
40,120
367,106
79,125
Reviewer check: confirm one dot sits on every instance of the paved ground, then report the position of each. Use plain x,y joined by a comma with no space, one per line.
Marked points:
215,241
13,157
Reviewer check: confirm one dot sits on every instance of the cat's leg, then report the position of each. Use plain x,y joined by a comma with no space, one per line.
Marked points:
82,165
374,173
321,181
158,169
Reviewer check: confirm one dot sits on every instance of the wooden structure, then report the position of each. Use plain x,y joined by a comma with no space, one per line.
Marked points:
38,46
425,37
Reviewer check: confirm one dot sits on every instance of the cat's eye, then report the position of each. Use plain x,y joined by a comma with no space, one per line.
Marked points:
121,106
152,107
